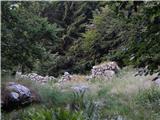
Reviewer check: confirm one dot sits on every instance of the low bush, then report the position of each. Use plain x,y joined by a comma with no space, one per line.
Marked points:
52,114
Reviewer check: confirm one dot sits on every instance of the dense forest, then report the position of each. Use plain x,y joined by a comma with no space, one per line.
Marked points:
53,37
80,60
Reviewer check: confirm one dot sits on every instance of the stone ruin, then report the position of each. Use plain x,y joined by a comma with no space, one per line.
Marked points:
106,70
66,77
34,77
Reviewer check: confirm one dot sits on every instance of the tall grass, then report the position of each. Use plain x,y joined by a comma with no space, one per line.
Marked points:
126,97
129,97
53,96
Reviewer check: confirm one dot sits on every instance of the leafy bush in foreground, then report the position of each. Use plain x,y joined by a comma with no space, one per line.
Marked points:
51,114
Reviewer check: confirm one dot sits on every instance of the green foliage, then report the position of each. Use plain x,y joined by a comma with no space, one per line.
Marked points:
62,114
23,34
106,33
89,37
78,102
44,113
49,114
53,37
144,46
126,32
72,17
81,102
52,96
85,111
150,97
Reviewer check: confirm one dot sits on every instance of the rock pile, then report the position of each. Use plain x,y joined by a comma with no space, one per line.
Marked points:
106,70
156,80
34,77
15,95
66,77
142,72
80,88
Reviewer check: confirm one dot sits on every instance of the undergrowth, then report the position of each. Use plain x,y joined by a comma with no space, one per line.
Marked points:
124,98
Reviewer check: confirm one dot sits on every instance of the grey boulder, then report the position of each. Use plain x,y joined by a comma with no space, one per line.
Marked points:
15,95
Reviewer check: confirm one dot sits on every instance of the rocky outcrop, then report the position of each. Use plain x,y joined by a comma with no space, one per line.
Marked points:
106,70
34,77
15,95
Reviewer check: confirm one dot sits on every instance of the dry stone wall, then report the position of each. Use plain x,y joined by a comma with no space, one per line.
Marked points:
106,70
34,77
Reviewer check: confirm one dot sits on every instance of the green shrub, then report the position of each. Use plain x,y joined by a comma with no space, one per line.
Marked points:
51,114
82,102
62,114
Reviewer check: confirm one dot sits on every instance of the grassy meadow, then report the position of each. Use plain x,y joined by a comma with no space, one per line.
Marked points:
126,97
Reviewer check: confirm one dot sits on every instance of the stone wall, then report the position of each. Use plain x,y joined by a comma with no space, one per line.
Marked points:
106,70
66,77
34,77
